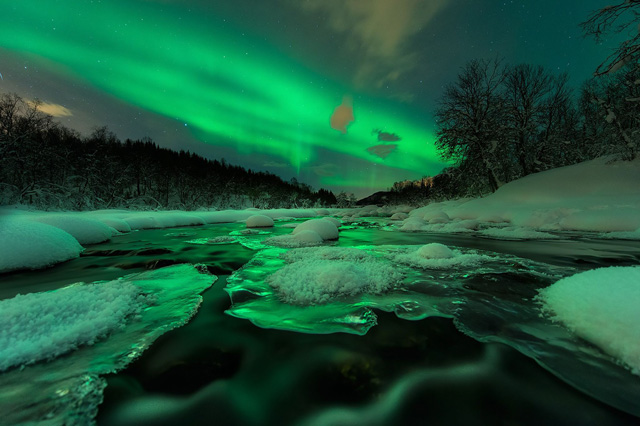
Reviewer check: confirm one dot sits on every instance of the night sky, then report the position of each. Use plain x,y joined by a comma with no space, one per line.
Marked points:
256,81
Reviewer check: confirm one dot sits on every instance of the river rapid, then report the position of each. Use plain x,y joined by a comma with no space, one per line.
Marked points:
459,347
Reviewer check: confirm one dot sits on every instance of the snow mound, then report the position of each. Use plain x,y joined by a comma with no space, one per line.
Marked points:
45,325
117,224
318,276
600,306
435,251
259,221
333,220
436,217
399,216
32,245
83,229
438,256
326,229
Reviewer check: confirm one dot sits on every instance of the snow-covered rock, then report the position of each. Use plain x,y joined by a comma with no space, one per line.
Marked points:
259,221
31,245
326,229
84,229
601,306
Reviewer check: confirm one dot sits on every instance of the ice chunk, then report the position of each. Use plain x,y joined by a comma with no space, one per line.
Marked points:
259,221
32,245
44,325
601,306
68,389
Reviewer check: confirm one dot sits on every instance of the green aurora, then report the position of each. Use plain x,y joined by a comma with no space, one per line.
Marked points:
230,88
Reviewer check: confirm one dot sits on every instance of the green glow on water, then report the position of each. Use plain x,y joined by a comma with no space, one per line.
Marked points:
230,88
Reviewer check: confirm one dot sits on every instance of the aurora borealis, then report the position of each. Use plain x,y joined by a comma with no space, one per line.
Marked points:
256,82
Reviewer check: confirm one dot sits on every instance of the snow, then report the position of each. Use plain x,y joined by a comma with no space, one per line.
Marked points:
600,195
259,221
316,276
41,326
601,306
85,230
435,251
516,233
326,229
437,256
31,240
399,216
26,244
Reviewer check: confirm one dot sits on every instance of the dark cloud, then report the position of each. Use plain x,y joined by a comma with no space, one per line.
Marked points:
343,115
386,137
324,170
382,151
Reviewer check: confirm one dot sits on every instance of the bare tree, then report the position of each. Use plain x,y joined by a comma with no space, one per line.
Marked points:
525,90
617,18
469,118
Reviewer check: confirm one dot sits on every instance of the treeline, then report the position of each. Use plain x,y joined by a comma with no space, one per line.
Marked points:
49,166
499,123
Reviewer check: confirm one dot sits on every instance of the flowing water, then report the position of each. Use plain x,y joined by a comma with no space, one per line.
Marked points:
465,345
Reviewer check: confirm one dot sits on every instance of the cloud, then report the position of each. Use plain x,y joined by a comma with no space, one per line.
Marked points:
380,31
386,137
55,110
382,151
343,115
325,170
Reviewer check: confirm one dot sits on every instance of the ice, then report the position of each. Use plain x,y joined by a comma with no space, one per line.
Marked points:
31,245
68,389
601,306
489,295
45,325
259,221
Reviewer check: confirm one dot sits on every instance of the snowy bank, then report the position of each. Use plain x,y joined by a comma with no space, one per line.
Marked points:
32,240
594,196
601,306
34,245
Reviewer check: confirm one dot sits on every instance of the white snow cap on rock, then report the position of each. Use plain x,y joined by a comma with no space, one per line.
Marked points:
259,221
326,229
85,230
601,306
435,251
25,244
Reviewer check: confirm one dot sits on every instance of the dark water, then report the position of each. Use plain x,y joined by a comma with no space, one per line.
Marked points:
481,366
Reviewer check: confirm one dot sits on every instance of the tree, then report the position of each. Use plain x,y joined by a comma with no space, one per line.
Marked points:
617,18
526,88
470,117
